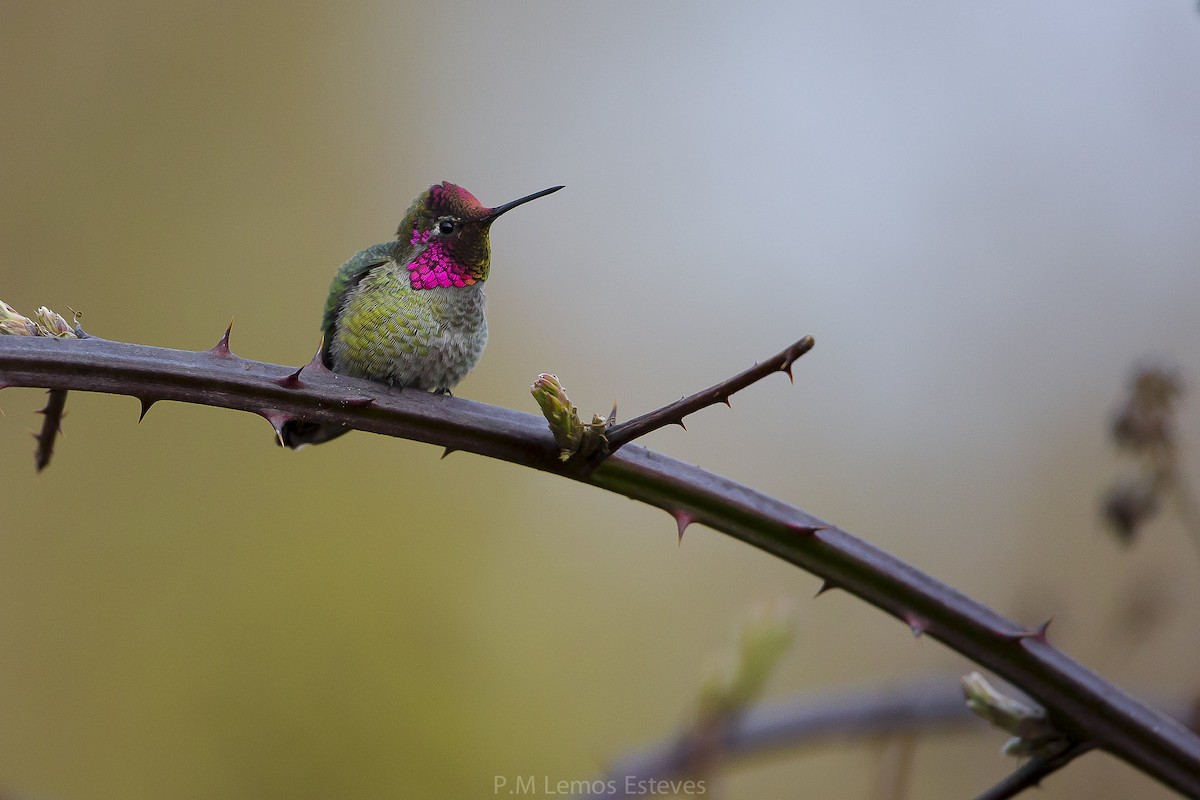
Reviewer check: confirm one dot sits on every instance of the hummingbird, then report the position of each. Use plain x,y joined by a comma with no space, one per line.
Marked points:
410,312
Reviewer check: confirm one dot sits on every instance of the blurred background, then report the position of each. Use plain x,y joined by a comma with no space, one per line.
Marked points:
985,214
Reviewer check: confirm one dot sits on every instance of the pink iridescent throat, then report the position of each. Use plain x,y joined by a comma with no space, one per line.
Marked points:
435,266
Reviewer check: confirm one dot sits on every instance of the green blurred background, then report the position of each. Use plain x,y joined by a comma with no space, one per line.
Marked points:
986,214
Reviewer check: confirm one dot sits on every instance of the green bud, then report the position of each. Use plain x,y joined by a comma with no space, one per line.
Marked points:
46,323
53,323
570,433
1033,733
13,323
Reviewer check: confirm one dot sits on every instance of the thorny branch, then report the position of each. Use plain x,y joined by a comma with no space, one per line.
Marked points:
674,413
1082,704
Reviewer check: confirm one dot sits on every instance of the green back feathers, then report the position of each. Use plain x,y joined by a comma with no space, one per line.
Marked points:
347,277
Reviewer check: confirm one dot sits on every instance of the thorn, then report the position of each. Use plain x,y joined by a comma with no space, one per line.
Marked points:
317,364
725,400
146,403
918,625
679,422
290,381
806,530
612,415
357,402
1038,633
448,451
277,419
221,348
826,586
682,520
795,351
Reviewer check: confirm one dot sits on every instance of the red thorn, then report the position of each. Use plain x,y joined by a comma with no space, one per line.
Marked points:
1037,634
317,364
679,422
826,586
357,402
221,348
805,530
291,381
277,419
918,625
146,403
448,451
725,400
787,367
682,520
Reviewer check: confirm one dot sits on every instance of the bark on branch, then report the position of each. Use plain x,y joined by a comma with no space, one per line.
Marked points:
1080,703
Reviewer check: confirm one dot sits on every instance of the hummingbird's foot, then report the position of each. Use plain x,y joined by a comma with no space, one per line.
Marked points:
444,391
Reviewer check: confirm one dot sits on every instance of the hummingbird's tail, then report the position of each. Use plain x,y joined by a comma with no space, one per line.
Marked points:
297,433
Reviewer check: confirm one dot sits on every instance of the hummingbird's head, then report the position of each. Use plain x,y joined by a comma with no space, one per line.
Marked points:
444,236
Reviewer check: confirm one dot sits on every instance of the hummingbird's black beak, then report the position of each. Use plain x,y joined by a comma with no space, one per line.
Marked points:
498,210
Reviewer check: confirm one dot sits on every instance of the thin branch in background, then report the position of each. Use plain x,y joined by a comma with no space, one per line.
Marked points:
934,703
1081,702
1033,771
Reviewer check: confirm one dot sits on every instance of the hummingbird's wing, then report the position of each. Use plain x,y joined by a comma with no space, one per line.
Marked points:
347,277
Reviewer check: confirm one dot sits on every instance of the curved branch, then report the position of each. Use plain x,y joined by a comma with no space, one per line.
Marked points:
1081,703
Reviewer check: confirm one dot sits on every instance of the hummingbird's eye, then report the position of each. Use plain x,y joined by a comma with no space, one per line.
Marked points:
447,227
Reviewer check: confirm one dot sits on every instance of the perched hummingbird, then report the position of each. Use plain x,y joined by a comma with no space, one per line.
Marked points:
410,312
